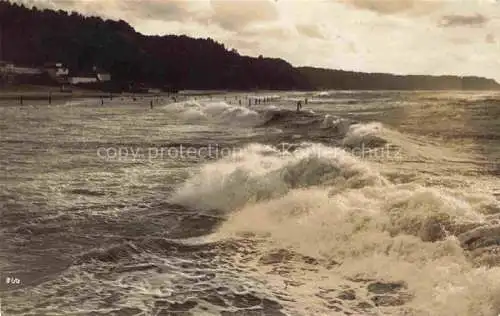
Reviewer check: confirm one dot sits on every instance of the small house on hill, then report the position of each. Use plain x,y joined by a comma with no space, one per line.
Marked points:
82,77
56,70
102,76
9,67
6,66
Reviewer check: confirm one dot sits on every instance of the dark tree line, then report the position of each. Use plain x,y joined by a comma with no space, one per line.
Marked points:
348,80
34,37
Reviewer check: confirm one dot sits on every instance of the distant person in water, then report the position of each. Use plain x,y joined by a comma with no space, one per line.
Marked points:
299,106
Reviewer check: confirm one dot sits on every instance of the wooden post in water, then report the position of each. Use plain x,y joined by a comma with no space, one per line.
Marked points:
21,100
50,97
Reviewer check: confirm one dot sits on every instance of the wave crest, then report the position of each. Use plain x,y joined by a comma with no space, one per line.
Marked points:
259,172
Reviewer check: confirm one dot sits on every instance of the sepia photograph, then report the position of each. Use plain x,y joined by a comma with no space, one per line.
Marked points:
249,157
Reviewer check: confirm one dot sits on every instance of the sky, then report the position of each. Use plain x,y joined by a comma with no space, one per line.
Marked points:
436,37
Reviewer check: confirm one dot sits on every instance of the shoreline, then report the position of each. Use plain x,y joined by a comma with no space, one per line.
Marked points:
44,93
40,93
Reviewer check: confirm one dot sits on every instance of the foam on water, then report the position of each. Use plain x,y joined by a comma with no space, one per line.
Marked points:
259,172
364,134
302,228
324,203
323,94
217,112
393,233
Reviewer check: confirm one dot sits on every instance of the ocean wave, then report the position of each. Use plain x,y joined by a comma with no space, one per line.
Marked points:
216,112
430,238
370,135
320,205
259,172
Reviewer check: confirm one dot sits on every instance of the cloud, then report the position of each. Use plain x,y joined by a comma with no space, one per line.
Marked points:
463,20
461,41
236,15
399,36
490,39
265,31
310,30
71,5
395,6
160,10
163,10
156,9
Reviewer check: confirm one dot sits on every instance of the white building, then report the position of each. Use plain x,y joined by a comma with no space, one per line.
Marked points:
26,71
82,79
8,67
56,70
103,76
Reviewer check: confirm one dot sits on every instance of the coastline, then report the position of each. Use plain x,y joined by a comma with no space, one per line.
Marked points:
39,93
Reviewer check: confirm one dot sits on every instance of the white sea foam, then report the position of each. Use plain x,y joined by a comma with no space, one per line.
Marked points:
217,112
384,233
260,172
367,134
333,206
333,122
323,94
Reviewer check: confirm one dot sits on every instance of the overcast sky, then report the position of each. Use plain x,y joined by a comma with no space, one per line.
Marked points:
460,37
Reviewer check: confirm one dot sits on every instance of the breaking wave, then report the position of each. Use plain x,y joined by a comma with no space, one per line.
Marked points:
217,112
259,172
370,135
327,205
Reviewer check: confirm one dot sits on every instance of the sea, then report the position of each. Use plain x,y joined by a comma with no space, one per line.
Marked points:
361,203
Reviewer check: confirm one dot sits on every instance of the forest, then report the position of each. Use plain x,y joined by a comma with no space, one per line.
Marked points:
32,37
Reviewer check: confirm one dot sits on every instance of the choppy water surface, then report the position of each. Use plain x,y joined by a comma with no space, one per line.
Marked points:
365,203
